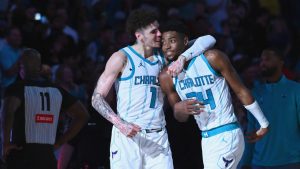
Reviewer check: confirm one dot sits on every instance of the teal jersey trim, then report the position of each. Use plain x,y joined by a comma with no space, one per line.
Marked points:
146,60
133,67
209,66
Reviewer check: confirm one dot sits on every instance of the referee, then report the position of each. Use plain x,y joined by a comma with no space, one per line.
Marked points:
31,110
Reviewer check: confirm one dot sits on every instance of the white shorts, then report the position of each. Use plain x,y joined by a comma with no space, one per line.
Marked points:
224,150
144,151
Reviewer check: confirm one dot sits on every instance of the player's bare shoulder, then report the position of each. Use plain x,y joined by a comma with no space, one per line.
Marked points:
117,61
217,58
213,54
119,56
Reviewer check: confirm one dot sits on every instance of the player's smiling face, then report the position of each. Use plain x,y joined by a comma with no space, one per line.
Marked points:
151,36
172,44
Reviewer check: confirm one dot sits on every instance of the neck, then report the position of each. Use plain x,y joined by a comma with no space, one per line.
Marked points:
33,76
274,78
145,51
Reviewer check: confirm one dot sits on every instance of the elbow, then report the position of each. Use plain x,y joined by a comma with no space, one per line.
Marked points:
95,99
208,41
93,102
179,117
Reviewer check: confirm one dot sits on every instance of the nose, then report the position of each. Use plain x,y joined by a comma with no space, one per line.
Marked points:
158,33
166,45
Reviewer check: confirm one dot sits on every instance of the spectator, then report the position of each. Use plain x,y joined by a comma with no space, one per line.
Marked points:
280,101
9,56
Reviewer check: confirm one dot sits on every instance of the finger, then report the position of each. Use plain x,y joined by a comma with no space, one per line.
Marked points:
136,128
191,107
133,133
191,102
195,113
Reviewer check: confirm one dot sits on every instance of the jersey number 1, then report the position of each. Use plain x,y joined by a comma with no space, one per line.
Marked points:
153,97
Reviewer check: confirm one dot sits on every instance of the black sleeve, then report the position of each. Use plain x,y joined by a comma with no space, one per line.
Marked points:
67,99
16,89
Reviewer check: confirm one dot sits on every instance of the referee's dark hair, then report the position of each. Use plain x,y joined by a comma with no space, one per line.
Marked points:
31,59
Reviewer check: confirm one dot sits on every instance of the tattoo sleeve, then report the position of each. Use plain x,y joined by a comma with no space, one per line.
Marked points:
99,103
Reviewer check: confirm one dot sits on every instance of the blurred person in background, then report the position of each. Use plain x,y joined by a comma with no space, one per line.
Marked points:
280,101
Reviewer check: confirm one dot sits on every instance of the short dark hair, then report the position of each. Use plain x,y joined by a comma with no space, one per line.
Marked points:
140,18
30,52
277,52
174,25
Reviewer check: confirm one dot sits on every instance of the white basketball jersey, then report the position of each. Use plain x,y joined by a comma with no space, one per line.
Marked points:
139,96
201,81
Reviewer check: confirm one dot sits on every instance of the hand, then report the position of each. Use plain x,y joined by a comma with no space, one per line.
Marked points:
190,107
8,148
176,67
129,129
255,136
57,145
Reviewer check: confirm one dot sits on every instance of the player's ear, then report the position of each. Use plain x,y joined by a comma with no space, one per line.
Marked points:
138,36
185,40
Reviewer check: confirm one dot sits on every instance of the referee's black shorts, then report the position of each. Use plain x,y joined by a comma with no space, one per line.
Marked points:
32,156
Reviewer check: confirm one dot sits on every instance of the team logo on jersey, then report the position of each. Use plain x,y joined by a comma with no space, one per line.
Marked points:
141,64
114,153
227,162
44,118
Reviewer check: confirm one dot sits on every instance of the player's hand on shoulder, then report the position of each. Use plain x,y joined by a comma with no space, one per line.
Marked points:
189,107
177,66
129,129
255,136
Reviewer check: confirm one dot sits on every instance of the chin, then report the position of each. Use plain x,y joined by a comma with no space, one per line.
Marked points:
170,58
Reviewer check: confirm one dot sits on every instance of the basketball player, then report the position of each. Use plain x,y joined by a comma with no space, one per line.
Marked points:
30,116
139,138
204,89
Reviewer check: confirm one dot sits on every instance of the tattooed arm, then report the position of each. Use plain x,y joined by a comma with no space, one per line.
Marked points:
112,69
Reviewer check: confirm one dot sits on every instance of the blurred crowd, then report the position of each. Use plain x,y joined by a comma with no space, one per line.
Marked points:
76,37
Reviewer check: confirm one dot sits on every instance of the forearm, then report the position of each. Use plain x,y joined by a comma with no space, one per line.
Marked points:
99,103
79,116
8,113
252,106
75,127
5,134
179,115
201,44
256,111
